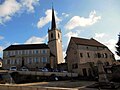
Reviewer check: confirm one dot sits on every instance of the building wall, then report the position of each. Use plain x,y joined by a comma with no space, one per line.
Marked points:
32,58
79,55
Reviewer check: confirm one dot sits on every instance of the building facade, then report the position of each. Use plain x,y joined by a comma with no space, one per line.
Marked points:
30,55
83,55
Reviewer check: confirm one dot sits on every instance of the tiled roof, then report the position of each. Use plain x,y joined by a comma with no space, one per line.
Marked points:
26,47
89,42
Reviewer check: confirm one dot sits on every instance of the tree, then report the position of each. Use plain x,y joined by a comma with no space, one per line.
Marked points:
118,46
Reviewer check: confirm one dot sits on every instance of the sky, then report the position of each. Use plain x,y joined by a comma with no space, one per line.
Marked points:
28,21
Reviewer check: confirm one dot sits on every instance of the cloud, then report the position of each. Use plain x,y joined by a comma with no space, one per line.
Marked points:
65,14
8,9
45,20
11,7
99,35
111,43
35,40
78,21
1,37
1,50
72,34
29,4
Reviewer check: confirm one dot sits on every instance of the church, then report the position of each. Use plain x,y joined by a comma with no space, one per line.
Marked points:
36,55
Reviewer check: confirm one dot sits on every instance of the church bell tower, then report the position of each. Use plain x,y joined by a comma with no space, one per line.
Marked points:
55,41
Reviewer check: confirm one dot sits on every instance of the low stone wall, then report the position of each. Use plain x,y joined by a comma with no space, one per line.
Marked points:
15,87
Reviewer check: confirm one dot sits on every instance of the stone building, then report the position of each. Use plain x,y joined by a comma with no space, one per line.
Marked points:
29,55
36,55
83,55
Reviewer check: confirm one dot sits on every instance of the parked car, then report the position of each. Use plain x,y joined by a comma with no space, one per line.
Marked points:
43,69
24,69
13,68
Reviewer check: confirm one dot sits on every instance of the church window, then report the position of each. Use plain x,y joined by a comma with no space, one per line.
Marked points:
51,35
58,35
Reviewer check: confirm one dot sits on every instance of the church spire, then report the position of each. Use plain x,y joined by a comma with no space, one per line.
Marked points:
53,24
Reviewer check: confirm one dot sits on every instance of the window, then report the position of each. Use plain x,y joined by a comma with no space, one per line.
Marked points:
44,51
99,55
88,55
35,51
36,60
51,35
23,52
29,60
16,52
19,52
12,61
105,55
15,61
44,59
58,35
12,53
84,71
81,55
75,66
8,61
30,52
9,53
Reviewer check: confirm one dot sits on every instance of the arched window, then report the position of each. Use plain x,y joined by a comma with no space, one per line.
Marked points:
105,55
51,35
58,35
99,55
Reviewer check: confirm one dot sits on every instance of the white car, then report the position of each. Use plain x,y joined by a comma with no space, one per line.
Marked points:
13,68
24,69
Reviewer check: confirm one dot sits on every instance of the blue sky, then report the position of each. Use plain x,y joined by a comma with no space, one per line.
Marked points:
27,21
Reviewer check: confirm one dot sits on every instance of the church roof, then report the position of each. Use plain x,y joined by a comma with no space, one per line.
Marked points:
89,42
26,47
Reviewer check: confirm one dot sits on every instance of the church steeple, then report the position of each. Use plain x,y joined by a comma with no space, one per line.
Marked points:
55,42
53,24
